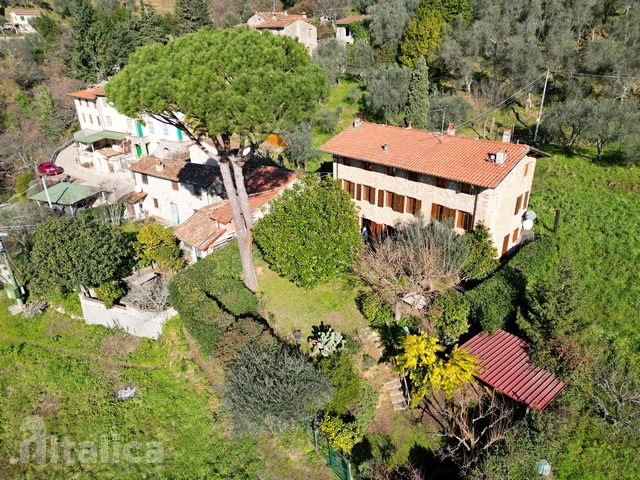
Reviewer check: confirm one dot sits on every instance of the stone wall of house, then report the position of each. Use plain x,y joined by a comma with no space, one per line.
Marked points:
136,322
494,207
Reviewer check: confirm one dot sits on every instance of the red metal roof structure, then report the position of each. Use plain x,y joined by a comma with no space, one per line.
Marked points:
506,366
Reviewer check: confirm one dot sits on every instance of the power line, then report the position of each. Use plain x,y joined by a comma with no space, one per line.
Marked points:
505,101
576,74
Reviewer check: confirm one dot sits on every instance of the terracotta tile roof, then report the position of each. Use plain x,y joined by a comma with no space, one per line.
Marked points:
224,216
454,157
351,19
266,178
133,197
278,23
269,16
89,93
199,229
177,171
24,11
505,366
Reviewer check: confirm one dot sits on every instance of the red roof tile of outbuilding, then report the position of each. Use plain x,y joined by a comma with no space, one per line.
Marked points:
89,93
506,366
454,157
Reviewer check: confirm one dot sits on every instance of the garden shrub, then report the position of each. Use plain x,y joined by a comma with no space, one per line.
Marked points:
482,260
110,292
241,334
232,294
327,120
340,434
347,384
273,392
537,260
22,183
493,302
448,314
375,310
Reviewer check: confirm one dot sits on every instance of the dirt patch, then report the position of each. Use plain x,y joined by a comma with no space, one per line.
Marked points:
47,404
336,321
119,346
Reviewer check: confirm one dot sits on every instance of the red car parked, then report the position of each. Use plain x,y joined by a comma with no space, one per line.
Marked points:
49,168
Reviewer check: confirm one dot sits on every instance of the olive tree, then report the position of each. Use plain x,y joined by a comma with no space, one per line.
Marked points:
234,87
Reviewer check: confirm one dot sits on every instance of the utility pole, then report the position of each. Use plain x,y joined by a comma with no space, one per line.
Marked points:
13,290
544,91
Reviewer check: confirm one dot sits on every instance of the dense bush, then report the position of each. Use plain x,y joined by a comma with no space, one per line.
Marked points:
327,120
493,302
232,294
375,310
482,260
69,252
273,392
242,333
346,383
537,260
448,314
311,233
157,245
23,182
110,292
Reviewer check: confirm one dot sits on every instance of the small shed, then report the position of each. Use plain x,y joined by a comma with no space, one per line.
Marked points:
506,366
68,197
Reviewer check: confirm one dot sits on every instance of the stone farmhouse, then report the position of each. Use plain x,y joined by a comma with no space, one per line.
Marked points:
111,142
281,23
21,19
343,30
394,173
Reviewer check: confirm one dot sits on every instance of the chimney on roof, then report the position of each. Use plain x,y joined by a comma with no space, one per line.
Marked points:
385,147
451,129
159,166
501,157
410,125
357,123
506,135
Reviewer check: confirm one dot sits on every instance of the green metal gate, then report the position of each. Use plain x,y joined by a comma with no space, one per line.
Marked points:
340,465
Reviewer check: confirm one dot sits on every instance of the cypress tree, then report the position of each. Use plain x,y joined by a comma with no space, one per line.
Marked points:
82,52
192,15
418,107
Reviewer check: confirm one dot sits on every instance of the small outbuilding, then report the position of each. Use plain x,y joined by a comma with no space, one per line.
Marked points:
68,197
505,365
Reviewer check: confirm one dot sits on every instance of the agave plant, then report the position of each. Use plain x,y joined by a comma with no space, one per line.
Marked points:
327,340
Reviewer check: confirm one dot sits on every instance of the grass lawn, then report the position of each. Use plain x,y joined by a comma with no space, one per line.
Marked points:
66,373
600,229
288,307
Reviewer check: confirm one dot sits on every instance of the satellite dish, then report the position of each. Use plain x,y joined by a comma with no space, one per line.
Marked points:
530,215
138,189
527,224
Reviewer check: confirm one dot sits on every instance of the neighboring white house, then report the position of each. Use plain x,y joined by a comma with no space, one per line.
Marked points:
394,173
21,19
212,227
111,141
173,189
343,28
281,23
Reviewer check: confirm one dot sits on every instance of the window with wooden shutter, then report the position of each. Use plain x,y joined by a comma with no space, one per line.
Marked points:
412,176
381,198
371,197
526,169
413,205
389,200
464,220
351,189
465,188
391,171
145,179
518,205
346,162
436,211
505,244
155,202
174,185
516,232
441,182
398,203
525,202
358,191
366,166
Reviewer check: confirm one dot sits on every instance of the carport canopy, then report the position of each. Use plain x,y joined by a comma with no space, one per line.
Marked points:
97,136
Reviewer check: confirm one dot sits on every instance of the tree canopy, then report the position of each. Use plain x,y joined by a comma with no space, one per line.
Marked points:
70,252
221,84
311,233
